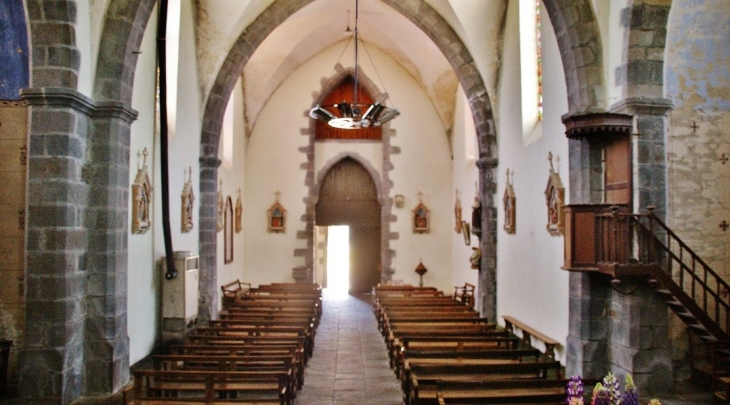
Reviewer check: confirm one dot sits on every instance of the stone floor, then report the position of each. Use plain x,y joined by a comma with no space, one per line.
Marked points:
350,361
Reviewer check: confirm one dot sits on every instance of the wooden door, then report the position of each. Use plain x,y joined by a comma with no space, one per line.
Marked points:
364,258
348,196
617,170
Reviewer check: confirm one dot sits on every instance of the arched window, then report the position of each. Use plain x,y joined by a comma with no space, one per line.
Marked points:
531,69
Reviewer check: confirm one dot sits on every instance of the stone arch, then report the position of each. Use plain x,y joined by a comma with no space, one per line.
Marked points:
52,28
124,28
581,51
382,192
455,51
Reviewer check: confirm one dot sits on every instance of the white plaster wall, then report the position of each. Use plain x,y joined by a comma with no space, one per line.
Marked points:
184,148
530,284
274,163
142,278
233,180
697,77
465,175
614,43
87,43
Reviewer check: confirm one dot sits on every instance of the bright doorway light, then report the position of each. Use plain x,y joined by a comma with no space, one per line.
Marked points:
338,260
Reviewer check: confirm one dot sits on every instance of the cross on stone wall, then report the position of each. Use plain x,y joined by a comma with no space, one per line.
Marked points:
723,158
694,127
724,225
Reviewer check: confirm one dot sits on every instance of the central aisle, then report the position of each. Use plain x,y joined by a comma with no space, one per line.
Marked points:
350,363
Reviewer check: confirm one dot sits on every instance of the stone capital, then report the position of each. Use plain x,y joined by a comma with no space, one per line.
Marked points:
65,97
643,106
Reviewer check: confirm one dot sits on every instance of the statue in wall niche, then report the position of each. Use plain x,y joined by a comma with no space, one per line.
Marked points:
188,200
141,198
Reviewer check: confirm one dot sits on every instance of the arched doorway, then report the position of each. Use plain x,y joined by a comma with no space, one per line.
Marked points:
348,196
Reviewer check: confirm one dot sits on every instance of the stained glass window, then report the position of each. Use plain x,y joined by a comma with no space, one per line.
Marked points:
538,48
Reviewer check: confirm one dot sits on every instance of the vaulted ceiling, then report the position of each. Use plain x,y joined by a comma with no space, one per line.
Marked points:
321,24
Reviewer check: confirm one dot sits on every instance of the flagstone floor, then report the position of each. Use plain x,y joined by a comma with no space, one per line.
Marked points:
350,362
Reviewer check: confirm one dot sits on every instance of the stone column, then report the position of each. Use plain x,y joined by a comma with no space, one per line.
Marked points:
52,360
106,352
649,149
488,242
639,343
589,329
208,284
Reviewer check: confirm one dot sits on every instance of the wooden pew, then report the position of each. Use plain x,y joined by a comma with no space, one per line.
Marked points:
528,333
550,391
210,387
401,316
421,378
208,362
465,356
232,291
242,332
465,294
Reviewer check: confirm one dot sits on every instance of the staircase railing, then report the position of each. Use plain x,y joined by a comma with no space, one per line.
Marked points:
624,238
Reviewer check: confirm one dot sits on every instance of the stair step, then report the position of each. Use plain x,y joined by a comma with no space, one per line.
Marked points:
664,291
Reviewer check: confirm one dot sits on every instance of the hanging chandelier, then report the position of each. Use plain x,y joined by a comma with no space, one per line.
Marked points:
354,114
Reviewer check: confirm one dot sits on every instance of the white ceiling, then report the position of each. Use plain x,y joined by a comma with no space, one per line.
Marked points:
317,26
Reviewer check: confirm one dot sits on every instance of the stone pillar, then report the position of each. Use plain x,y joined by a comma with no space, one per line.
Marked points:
208,305
488,241
52,360
106,343
639,343
649,149
589,328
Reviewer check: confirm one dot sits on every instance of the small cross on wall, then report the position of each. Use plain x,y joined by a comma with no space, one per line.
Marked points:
724,158
724,226
694,127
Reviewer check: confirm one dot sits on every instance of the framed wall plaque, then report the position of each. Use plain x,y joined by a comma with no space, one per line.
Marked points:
239,213
277,216
421,217
555,199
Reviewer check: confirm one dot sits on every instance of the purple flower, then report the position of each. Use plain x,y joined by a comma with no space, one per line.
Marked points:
614,390
574,390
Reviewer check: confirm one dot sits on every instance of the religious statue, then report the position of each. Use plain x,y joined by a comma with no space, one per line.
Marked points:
457,213
476,258
476,214
509,201
141,197
188,200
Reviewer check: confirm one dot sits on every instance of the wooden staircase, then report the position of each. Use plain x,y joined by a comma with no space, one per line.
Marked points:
631,244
